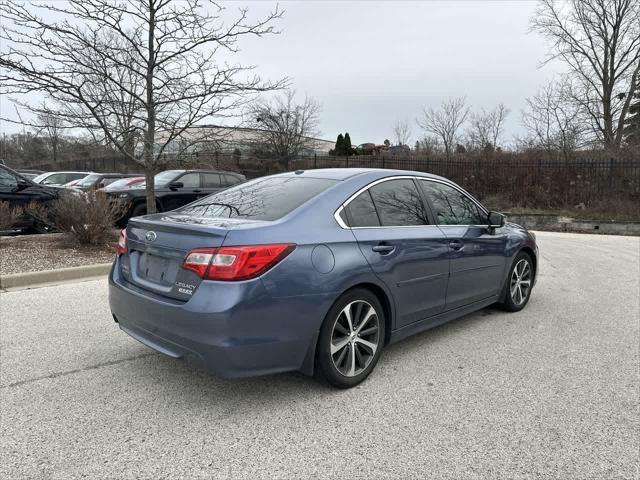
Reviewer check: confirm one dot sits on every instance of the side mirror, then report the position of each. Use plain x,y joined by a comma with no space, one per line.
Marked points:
21,186
496,220
176,185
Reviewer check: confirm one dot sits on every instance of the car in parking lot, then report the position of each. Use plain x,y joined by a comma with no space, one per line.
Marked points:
59,178
173,189
18,191
315,270
124,183
96,181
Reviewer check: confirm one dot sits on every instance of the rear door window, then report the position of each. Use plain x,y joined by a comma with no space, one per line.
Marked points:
231,180
262,199
68,177
211,180
399,203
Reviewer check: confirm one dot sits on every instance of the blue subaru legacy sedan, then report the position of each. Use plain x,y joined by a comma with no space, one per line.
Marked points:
315,271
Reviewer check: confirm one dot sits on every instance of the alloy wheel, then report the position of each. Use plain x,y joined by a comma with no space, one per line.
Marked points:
520,285
355,338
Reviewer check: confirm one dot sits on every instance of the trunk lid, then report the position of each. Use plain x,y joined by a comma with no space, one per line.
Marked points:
157,245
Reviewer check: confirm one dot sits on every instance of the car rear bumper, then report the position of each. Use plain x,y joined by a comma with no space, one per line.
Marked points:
235,328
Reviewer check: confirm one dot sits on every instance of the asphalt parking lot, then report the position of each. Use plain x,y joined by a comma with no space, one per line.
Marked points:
552,391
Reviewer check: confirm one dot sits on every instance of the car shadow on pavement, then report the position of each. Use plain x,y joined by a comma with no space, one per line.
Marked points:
194,381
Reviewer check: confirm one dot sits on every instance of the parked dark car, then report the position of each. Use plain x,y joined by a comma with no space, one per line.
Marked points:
19,191
95,181
59,178
315,271
173,189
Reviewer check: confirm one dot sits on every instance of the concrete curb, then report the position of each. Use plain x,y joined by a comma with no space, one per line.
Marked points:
44,277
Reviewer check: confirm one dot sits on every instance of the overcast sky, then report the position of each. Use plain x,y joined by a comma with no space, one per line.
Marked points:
372,63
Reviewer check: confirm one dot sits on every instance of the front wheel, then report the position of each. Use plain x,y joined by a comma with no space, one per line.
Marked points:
519,283
351,339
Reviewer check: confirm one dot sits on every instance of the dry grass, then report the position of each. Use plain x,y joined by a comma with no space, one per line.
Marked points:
8,215
86,219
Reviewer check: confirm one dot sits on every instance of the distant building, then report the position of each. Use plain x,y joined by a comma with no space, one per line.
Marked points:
228,139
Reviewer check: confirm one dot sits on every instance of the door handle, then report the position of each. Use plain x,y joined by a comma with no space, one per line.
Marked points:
383,249
197,191
456,245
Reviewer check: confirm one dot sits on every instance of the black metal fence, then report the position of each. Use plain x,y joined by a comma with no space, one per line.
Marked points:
516,180
505,179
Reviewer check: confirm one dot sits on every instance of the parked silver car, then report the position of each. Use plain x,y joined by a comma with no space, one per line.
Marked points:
59,178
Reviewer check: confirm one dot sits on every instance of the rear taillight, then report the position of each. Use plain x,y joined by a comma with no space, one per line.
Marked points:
121,247
235,263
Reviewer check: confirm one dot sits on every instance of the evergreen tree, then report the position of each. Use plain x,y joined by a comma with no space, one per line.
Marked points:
632,128
339,148
348,150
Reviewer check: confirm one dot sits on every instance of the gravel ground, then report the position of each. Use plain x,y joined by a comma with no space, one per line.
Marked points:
32,253
549,392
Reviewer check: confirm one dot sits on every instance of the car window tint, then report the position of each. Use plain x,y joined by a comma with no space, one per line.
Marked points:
68,177
211,180
452,207
7,180
398,203
361,212
55,179
190,180
261,199
231,179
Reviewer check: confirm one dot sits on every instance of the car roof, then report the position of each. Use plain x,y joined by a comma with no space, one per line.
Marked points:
346,173
208,171
116,174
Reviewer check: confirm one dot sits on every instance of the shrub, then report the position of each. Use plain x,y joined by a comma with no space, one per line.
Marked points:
87,218
8,215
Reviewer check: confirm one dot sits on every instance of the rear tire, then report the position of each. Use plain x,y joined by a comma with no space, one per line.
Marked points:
40,228
351,339
517,289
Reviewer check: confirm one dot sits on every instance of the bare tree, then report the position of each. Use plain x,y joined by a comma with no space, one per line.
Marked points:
158,59
632,127
429,145
284,127
116,107
599,40
553,121
402,131
486,127
52,126
446,122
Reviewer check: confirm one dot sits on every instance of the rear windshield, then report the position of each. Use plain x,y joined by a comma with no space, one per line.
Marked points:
261,199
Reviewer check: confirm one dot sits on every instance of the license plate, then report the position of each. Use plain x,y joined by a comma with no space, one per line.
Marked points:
154,268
